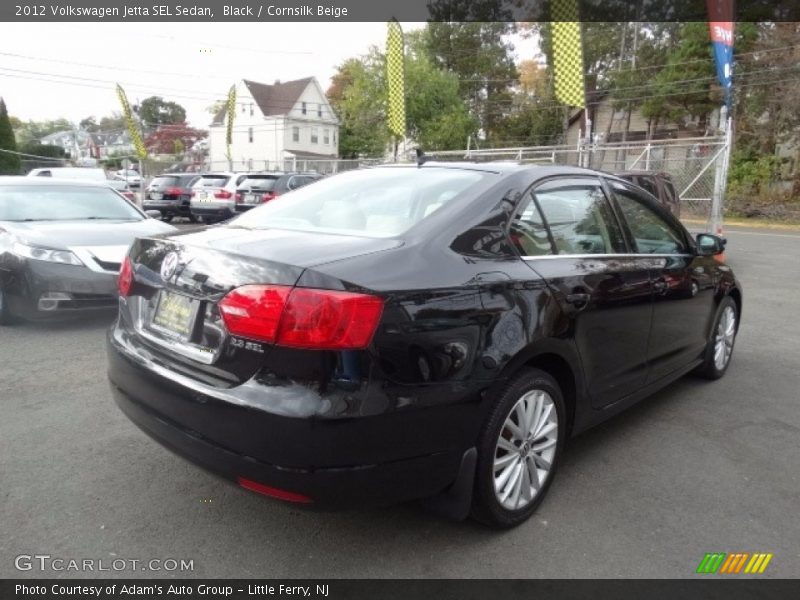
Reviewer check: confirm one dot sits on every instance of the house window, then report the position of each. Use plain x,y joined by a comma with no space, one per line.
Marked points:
305,111
334,136
251,109
326,137
314,136
244,108
250,134
319,110
295,134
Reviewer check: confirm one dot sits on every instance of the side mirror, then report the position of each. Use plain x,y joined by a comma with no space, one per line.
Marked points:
153,214
709,244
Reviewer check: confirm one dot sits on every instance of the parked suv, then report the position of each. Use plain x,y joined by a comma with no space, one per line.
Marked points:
263,187
659,184
170,194
213,196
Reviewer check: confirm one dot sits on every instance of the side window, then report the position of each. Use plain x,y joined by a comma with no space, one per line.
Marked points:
579,218
528,232
651,233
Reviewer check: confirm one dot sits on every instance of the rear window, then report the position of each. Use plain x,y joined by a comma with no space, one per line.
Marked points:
260,182
55,203
164,181
373,202
212,181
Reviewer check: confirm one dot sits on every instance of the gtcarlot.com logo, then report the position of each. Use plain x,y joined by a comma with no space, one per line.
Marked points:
46,562
734,563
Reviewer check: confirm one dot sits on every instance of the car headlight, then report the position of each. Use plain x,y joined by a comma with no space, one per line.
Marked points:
63,257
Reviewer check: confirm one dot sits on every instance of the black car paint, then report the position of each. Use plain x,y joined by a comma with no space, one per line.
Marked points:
170,205
463,312
282,183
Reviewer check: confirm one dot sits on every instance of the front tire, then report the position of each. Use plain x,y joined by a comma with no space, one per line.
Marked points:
519,449
719,350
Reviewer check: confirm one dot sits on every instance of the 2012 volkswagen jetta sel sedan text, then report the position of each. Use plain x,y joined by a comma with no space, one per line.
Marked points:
433,331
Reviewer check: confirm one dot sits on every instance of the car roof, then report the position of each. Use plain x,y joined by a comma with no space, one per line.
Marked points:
51,181
500,167
640,173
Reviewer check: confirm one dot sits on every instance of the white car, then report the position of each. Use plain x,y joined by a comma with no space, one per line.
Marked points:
214,196
129,175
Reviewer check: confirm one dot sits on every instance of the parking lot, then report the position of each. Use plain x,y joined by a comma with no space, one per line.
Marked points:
700,467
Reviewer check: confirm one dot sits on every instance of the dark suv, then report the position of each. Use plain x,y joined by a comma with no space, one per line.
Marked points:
659,184
263,187
170,194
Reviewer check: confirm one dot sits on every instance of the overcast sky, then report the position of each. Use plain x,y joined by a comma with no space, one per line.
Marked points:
52,70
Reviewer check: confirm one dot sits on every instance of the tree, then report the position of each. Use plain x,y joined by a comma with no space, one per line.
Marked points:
28,131
9,162
156,111
173,139
532,121
478,53
48,150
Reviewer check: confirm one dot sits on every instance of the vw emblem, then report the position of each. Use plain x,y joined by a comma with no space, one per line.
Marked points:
169,265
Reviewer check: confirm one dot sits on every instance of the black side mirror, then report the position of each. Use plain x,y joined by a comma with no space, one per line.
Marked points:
709,244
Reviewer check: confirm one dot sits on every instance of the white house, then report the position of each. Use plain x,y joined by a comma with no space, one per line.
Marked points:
275,124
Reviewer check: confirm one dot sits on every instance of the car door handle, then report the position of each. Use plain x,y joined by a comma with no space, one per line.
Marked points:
578,299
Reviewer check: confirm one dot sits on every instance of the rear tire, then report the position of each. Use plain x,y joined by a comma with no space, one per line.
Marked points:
192,219
6,317
166,218
719,349
519,449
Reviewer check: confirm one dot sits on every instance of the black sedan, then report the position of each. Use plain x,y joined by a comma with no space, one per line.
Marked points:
170,194
410,332
61,245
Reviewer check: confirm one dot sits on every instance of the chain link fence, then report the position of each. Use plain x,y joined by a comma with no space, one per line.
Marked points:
322,166
695,165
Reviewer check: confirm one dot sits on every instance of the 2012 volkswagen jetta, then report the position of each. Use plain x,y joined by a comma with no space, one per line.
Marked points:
416,331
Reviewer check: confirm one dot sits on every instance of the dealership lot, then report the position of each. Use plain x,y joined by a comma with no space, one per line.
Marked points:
700,467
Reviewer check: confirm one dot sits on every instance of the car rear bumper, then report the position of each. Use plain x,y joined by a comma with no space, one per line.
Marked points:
215,212
168,207
297,454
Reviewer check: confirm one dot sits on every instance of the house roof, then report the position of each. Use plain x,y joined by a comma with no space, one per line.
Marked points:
275,99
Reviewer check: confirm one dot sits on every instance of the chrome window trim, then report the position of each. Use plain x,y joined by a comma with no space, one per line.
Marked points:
619,255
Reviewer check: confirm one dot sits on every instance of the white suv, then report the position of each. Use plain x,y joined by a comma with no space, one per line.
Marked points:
214,196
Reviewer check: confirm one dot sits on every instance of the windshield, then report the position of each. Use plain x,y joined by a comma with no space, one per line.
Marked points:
164,181
212,181
372,202
259,182
54,203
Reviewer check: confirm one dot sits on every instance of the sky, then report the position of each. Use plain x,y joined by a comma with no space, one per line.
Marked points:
53,70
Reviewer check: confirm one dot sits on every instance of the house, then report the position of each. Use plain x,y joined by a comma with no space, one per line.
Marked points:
609,125
274,124
116,143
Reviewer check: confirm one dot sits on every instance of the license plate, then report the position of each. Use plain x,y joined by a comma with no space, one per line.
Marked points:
175,314
202,195
251,198
156,196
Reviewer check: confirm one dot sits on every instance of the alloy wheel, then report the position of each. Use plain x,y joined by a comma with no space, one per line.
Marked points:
526,447
723,343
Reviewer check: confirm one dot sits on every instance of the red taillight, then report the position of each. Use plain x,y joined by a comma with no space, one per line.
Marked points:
174,191
223,195
239,197
302,317
268,196
125,279
272,492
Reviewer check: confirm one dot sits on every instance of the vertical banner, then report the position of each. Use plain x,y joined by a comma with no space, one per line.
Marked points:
721,26
231,117
567,53
136,138
395,79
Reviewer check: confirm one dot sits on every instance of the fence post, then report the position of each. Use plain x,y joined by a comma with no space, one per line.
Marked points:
647,157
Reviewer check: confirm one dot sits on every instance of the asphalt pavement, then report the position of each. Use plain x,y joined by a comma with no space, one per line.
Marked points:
700,467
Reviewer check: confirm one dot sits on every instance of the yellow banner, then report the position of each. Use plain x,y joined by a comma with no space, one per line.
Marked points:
568,53
136,137
395,79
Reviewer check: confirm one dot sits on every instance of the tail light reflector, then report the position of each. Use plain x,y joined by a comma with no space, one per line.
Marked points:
174,191
223,195
268,196
125,279
302,317
272,492
239,197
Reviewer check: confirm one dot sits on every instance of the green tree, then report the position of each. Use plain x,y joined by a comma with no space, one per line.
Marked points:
156,111
9,162
469,38
37,149
28,131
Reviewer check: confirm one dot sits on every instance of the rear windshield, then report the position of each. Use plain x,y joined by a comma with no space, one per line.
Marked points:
164,181
54,203
261,182
212,181
373,202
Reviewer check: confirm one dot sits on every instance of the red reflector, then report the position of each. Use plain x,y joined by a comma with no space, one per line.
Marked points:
302,317
272,492
329,319
268,196
222,194
254,311
174,191
125,279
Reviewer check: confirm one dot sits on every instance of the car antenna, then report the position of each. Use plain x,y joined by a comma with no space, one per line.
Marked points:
421,158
